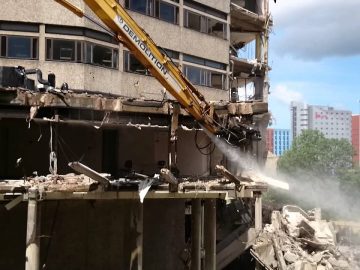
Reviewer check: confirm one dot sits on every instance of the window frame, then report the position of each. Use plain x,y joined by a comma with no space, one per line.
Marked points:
206,76
81,52
34,54
204,23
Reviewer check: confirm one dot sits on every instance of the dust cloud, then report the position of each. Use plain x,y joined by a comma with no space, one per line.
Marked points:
304,189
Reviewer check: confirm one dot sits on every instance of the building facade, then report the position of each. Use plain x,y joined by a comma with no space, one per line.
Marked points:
333,123
278,141
355,134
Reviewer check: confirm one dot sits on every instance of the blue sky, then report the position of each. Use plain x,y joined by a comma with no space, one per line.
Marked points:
314,55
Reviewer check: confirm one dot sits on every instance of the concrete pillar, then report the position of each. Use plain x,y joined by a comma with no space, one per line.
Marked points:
139,239
258,48
32,259
210,234
196,234
42,43
258,212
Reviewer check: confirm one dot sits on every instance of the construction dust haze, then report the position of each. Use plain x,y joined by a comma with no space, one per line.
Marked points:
303,188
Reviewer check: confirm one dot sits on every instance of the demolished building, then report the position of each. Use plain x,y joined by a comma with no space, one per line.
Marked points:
106,114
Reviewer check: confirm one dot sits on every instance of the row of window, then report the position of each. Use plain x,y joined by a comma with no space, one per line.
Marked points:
155,8
81,52
196,75
95,54
170,13
59,49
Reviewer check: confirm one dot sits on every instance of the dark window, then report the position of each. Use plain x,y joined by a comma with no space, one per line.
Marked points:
193,21
79,31
170,53
168,12
19,47
131,64
139,6
63,50
102,56
204,24
19,26
81,52
155,8
3,46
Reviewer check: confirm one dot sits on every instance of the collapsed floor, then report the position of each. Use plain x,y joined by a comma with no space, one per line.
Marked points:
296,240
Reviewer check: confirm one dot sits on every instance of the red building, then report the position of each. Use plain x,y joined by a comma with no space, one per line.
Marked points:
270,140
355,132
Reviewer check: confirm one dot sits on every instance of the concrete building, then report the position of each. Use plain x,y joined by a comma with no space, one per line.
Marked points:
355,136
279,141
333,123
118,120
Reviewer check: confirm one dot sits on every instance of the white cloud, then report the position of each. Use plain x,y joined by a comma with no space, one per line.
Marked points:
314,30
285,95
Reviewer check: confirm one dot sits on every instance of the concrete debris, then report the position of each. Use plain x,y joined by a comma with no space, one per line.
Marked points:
296,240
81,168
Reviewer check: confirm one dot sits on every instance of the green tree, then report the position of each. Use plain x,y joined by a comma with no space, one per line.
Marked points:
314,153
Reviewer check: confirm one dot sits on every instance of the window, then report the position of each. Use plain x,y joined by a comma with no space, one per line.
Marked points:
170,53
81,52
155,8
205,77
19,47
204,24
101,56
131,64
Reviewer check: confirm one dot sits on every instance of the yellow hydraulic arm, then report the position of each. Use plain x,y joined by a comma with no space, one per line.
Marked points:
127,31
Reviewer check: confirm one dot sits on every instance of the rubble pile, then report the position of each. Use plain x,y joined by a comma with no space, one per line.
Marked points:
62,183
296,240
68,182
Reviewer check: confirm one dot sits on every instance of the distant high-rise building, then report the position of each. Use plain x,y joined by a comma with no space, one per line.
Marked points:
270,140
299,118
278,141
334,124
355,134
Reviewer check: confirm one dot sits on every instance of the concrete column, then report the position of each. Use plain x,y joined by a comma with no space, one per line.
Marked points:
139,239
258,49
181,13
32,259
210,234
42,43
196,234
258,212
